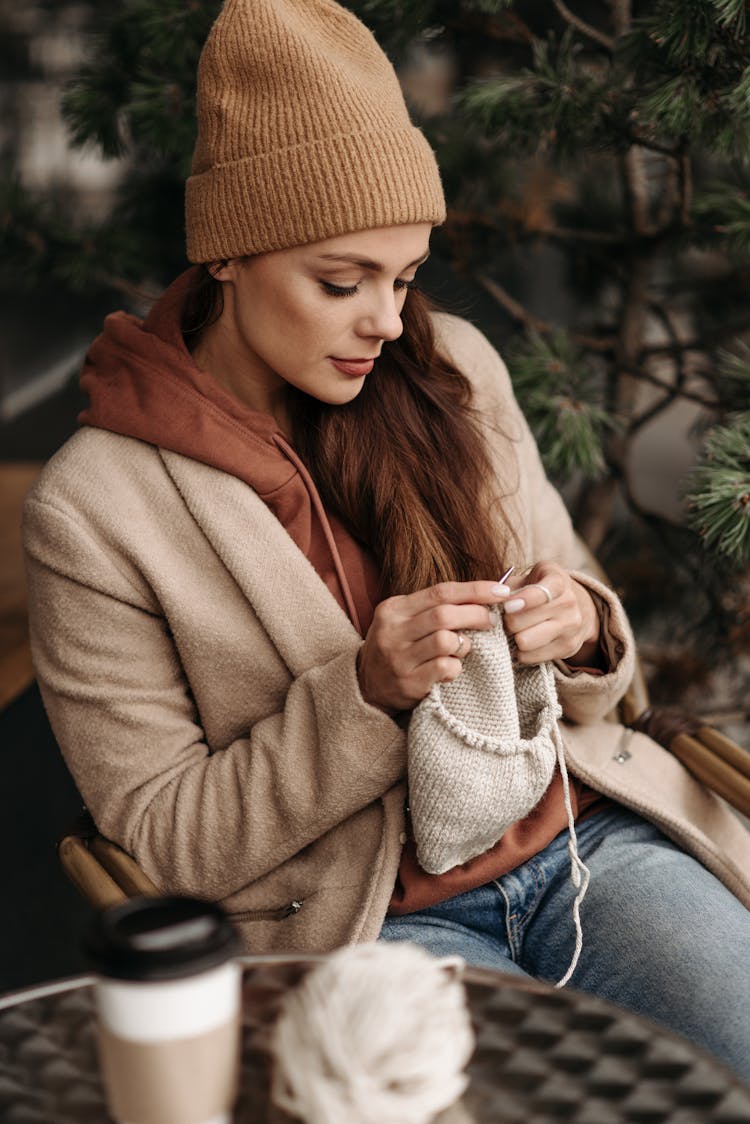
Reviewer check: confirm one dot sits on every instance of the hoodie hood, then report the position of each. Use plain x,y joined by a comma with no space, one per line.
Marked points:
142,382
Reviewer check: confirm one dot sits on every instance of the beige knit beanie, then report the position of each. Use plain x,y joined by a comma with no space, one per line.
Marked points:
303,134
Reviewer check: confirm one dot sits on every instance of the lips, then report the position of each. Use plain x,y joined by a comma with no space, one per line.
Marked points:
355,367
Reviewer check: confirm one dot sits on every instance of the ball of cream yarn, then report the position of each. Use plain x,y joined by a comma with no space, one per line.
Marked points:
377,1033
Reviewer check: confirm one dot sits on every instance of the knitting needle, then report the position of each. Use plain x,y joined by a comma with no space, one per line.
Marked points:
497,609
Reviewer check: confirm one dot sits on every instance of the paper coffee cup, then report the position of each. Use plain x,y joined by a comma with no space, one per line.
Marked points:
168,1011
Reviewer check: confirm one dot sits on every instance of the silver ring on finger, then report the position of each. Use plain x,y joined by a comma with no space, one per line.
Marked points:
460,648
547,593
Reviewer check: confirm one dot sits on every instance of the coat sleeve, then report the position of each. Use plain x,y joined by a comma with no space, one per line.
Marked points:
540,517
199,822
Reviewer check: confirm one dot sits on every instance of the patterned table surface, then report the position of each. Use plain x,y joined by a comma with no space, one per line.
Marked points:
541,1055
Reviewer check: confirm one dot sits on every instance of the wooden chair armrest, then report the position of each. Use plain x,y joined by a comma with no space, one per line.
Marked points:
714,771
122,868
86,873
100,870
716,761
726,749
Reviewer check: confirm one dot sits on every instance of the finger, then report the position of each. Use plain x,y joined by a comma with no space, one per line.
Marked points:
537,637
556,650
538,655
440,670
441,667
456,618
455,593
561,619
533,596
439,645
445,670
551,639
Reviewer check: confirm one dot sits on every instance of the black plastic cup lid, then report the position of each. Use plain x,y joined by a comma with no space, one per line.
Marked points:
161,938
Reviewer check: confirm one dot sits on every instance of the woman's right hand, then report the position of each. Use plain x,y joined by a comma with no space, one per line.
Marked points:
418,639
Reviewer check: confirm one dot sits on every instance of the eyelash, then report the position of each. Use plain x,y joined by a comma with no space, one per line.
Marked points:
352,290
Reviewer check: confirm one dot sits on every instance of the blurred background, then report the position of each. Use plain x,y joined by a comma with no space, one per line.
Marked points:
596,160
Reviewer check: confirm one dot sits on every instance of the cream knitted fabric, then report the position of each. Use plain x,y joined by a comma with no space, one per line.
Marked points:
303,134
481,753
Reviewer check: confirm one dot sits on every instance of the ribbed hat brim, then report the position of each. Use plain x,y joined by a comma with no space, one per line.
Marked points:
297,196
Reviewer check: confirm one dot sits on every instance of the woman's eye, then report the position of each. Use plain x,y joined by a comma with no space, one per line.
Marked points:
350,290
339,290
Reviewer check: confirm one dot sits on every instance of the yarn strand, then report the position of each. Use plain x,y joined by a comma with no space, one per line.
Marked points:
579,872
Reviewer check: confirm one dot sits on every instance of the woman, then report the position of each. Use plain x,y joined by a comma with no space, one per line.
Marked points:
290,501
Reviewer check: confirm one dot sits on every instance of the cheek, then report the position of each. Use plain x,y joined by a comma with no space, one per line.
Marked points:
292,324
320,324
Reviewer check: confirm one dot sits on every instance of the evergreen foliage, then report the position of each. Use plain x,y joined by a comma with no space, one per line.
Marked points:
607,143
562,403
719,495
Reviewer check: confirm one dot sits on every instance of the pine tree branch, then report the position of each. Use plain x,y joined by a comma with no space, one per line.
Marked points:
676,193
622,394
507,27
664,314
636,187
672,390
675,390
652,412
735,275
705,343
650,144
622,16
662,384
686,188
687,560
670,194
527,319
595,237
600,344
522,232
592,515
658,522
585,28
630,338
514,308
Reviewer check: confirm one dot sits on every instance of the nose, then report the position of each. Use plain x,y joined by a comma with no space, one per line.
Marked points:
382,319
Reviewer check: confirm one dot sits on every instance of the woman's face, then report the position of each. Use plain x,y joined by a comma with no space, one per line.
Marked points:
313,316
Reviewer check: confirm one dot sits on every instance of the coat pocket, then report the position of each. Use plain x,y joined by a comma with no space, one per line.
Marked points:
280,913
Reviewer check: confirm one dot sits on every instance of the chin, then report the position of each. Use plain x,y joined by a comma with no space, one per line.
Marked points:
341,396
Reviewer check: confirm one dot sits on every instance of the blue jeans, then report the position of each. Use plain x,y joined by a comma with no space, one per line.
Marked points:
661,935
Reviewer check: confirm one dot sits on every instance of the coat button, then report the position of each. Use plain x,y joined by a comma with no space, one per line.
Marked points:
402,837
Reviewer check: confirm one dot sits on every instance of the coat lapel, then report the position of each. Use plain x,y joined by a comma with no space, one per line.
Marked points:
293,604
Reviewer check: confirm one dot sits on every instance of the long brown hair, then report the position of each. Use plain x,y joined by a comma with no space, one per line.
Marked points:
404,464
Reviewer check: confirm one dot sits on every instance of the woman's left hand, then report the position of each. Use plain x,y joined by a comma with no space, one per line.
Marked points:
552,617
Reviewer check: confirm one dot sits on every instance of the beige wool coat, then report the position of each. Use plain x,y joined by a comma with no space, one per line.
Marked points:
200,680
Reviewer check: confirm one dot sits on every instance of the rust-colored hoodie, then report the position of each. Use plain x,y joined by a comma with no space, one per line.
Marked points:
142,382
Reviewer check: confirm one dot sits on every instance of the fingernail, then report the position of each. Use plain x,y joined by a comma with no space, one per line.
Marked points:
514,606
500,590
494,618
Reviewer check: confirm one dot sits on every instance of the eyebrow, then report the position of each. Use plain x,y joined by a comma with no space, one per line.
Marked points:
368,263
